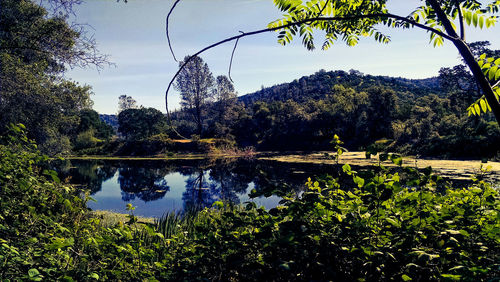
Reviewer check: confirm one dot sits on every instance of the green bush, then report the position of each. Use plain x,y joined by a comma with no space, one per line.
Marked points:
153,145
46,232
381,228
86,140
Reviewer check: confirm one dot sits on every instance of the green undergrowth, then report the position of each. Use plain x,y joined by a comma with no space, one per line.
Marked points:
382,226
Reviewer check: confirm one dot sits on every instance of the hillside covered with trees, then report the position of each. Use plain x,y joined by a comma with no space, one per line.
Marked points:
426,117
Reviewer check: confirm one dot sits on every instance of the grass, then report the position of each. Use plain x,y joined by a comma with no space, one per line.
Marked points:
109,218
129,158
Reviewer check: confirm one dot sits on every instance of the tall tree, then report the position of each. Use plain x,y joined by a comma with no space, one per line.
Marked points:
225,101
35,48
195,82
126,102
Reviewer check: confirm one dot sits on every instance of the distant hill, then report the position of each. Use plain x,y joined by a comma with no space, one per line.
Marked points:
111,120
319,85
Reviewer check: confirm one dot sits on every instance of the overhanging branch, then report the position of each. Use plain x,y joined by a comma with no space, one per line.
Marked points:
237,37
166,29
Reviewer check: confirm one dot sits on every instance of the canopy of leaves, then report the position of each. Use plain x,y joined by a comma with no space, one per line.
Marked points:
36,47
348,20
135,124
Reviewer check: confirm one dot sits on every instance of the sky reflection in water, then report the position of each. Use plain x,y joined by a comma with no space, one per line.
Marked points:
156,187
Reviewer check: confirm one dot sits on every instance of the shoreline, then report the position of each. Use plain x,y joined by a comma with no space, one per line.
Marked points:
457,169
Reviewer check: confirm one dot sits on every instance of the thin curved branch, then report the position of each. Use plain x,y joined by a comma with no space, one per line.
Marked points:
237,37
166,29
461,20
232,56
322,9
496,84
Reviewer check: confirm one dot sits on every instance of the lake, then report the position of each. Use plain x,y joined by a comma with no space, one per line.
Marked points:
155,187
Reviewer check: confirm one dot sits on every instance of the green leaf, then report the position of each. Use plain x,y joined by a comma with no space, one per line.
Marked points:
359,181
346,168
406,277
468,16
452,277
392,222
32,273
477,109
483,105
493,72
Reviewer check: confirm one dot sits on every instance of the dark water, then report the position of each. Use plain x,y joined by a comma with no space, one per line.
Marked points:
156,187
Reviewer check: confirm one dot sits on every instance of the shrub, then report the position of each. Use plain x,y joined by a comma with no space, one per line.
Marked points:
381,228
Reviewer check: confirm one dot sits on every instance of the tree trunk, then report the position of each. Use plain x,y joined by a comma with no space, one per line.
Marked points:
469,59
483,82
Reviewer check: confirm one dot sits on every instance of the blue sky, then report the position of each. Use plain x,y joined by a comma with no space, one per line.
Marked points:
133,34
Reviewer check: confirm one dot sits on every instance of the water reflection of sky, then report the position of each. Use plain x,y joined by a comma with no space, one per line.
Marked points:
157,187
181,193
110,198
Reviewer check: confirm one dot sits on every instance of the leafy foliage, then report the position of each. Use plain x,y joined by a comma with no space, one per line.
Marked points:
383,225
136,124
36,48
491,69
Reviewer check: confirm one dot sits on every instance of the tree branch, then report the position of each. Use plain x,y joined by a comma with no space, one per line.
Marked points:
461,20
469,59
324,7
232,55
443,18
166,29
237,37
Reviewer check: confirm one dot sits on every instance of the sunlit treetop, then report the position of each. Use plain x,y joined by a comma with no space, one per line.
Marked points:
348,20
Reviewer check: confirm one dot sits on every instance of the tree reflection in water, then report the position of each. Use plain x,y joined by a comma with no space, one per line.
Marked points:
215,180
91,174
194,184
143,182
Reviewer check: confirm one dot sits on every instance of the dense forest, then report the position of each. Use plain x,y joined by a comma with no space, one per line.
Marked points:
411,116
377,223
426,117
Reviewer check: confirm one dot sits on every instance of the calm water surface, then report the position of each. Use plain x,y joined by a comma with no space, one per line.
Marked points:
156,187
